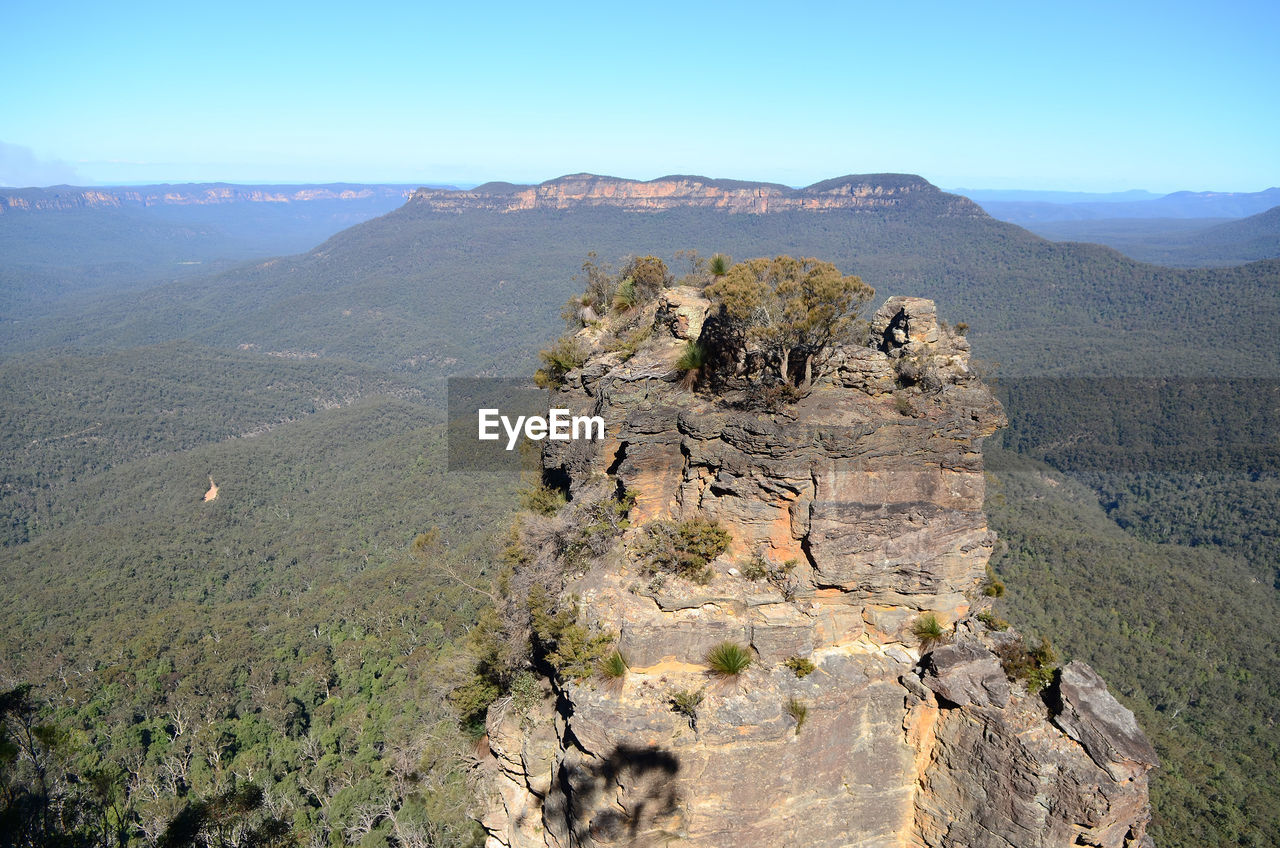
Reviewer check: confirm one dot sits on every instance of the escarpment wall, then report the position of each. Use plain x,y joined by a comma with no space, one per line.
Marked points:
853,513
860,193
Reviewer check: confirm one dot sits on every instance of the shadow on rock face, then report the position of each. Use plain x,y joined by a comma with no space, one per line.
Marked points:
624,798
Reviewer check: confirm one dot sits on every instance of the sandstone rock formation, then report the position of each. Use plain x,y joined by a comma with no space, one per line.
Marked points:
853,513
856,192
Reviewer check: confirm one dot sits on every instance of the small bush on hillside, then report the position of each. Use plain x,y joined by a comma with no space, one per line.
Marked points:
772,398
994,587
649,275
614,666
691,362
543,500
756,568
600,283
599,526
571,651
626,297
558,360
1036,665
992,621
799,711
628,343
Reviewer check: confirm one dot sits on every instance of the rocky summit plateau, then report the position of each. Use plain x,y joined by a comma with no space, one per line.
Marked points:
856,192
882,705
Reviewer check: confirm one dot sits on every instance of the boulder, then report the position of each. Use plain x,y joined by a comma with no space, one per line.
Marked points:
966,673
1090,714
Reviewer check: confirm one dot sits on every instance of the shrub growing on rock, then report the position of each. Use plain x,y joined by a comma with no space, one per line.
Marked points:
1036,665
614,666
648,274
685,702
719,265
691,362
626,297
542,499
684,548
802,666
560,641
993,621
598,527
557,361
794,311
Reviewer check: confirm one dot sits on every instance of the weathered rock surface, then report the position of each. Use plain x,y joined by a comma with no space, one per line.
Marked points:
861,504
1108,731
965,673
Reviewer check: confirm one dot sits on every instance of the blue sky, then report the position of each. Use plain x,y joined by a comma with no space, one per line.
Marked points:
1073,96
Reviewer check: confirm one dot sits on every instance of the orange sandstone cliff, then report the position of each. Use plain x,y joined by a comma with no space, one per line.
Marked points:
854,513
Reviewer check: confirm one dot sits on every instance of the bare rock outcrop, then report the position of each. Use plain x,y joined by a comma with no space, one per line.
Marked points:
855,513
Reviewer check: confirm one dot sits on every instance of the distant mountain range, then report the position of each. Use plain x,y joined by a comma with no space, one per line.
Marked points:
69,239
195,194
1180,204
1177,242
450,273
985,195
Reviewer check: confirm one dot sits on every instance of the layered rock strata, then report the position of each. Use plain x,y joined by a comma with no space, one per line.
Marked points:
853,513
854,192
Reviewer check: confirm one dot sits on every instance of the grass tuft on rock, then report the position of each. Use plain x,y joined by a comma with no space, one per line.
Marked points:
929,631
728,659
798,710
614,666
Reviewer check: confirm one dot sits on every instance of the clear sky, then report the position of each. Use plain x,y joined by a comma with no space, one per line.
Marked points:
1033,94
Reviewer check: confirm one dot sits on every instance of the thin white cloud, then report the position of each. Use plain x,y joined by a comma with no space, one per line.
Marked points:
21,168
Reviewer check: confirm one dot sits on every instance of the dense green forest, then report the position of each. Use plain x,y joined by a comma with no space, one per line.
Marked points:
68,417
291,636
286,635
1196,462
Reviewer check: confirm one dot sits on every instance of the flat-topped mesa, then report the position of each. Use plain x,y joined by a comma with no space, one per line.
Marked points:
856,192
855,524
